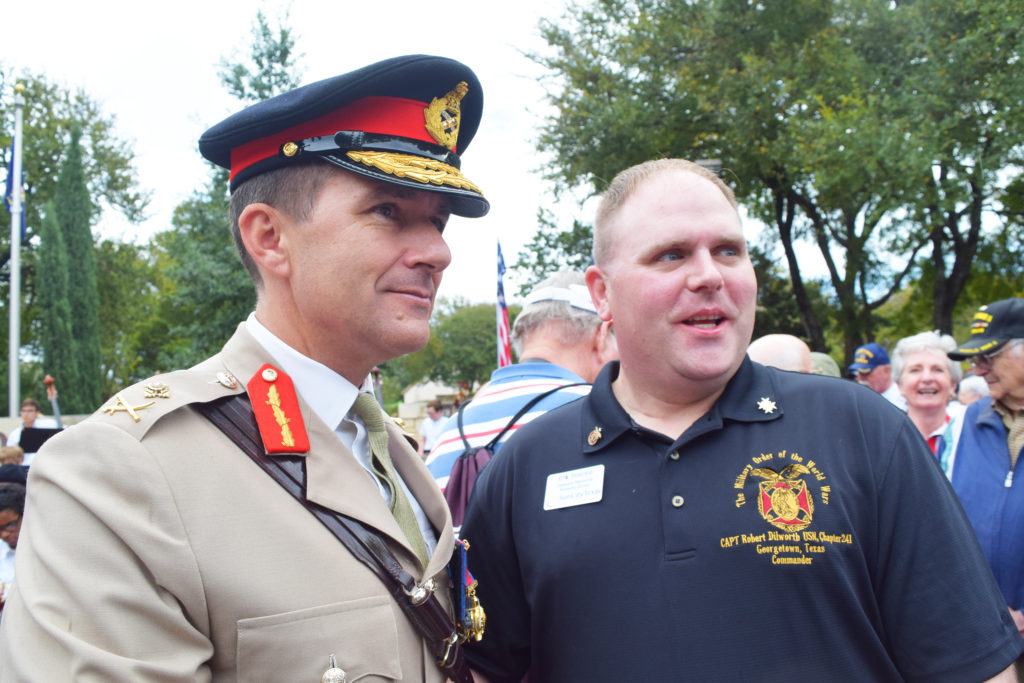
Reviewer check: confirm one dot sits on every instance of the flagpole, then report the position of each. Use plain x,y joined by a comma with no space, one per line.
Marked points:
14,343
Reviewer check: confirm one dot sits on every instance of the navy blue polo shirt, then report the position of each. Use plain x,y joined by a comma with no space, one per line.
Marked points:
800,530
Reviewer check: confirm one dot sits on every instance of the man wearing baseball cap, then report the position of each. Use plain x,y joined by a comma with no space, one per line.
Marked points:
258,517
986,465
871,367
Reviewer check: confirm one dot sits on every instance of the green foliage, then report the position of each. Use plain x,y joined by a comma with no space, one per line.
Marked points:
879,132
49,115
132,327
552,249
72,205
273,65
468,347
462,348
209,291
55,333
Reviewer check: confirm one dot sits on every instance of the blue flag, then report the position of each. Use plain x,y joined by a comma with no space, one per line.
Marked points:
9,190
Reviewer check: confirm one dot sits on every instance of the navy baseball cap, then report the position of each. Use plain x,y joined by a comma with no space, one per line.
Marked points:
868,357
992,326
405,120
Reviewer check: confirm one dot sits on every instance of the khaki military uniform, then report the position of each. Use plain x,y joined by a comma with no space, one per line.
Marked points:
157,550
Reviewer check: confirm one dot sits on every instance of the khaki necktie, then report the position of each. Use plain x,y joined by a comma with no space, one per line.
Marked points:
368,410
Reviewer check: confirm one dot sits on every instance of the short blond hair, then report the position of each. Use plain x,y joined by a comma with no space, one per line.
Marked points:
624,185
11,455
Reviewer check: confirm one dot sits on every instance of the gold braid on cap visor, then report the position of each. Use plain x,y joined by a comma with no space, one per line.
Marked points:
415,168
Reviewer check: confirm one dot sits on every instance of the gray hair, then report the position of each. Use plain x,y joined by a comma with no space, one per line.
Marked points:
572,323
974,385
925,341
625,184
292,190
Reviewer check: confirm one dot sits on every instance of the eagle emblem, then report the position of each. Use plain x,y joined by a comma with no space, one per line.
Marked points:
783,498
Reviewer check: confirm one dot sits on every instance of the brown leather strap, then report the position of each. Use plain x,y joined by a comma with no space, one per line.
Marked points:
234,417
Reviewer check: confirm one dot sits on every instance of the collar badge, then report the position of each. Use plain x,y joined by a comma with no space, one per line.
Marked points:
594,436
766,405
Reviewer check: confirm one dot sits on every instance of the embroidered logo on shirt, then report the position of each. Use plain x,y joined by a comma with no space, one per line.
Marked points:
786,502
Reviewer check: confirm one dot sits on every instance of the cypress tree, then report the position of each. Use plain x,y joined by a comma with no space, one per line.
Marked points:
75,210
54,308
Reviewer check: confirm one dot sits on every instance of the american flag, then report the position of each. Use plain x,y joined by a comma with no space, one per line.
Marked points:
504,345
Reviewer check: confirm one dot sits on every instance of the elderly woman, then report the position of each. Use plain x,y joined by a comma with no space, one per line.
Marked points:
927,378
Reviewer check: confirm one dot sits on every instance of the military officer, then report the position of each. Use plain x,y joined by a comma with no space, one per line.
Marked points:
154,547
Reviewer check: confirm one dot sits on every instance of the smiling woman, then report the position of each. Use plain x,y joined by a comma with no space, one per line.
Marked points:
927,378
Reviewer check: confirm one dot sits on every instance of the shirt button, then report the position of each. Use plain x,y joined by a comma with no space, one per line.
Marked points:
674,455
677,501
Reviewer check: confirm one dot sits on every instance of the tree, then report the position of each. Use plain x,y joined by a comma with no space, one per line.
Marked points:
462,348
109,178
552,249
74,210
133,328
55,333
877,131
209,290
50,113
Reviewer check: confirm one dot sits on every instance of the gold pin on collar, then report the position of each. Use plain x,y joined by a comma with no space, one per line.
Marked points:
594,436
156,390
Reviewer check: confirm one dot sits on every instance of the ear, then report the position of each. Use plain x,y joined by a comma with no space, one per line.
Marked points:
597,283
261,229
607,345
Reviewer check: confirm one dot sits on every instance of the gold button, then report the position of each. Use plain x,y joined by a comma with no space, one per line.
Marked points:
674,455
270,374
677,501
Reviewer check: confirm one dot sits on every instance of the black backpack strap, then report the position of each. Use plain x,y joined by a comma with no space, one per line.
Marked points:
522,411
458,421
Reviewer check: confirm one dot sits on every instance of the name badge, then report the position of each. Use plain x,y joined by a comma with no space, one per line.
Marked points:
575,487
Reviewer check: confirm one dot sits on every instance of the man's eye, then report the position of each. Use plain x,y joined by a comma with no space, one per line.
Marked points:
439,224
670,256
385,210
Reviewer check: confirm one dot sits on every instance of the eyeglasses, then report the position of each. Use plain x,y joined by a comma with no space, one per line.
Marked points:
984,360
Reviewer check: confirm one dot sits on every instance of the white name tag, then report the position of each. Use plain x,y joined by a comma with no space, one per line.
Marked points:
575,487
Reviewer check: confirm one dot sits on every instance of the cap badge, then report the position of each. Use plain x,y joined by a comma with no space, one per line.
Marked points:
766,405
156,390
444,114
594,436
276,407
120,406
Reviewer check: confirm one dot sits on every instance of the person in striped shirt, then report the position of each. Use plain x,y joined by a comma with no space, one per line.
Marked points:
559,340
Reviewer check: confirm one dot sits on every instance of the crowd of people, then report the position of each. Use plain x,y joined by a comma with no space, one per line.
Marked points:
685,504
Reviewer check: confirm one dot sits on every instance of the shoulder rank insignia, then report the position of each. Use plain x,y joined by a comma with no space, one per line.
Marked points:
276,407
120,406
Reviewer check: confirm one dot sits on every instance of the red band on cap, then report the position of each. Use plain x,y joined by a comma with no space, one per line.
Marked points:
382,115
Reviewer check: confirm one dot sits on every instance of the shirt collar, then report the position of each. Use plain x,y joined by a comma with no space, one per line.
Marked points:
750,396
328,394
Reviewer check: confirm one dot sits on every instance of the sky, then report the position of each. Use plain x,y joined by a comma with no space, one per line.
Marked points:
154,68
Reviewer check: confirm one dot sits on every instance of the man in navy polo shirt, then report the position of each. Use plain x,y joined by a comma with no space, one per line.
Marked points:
702,517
